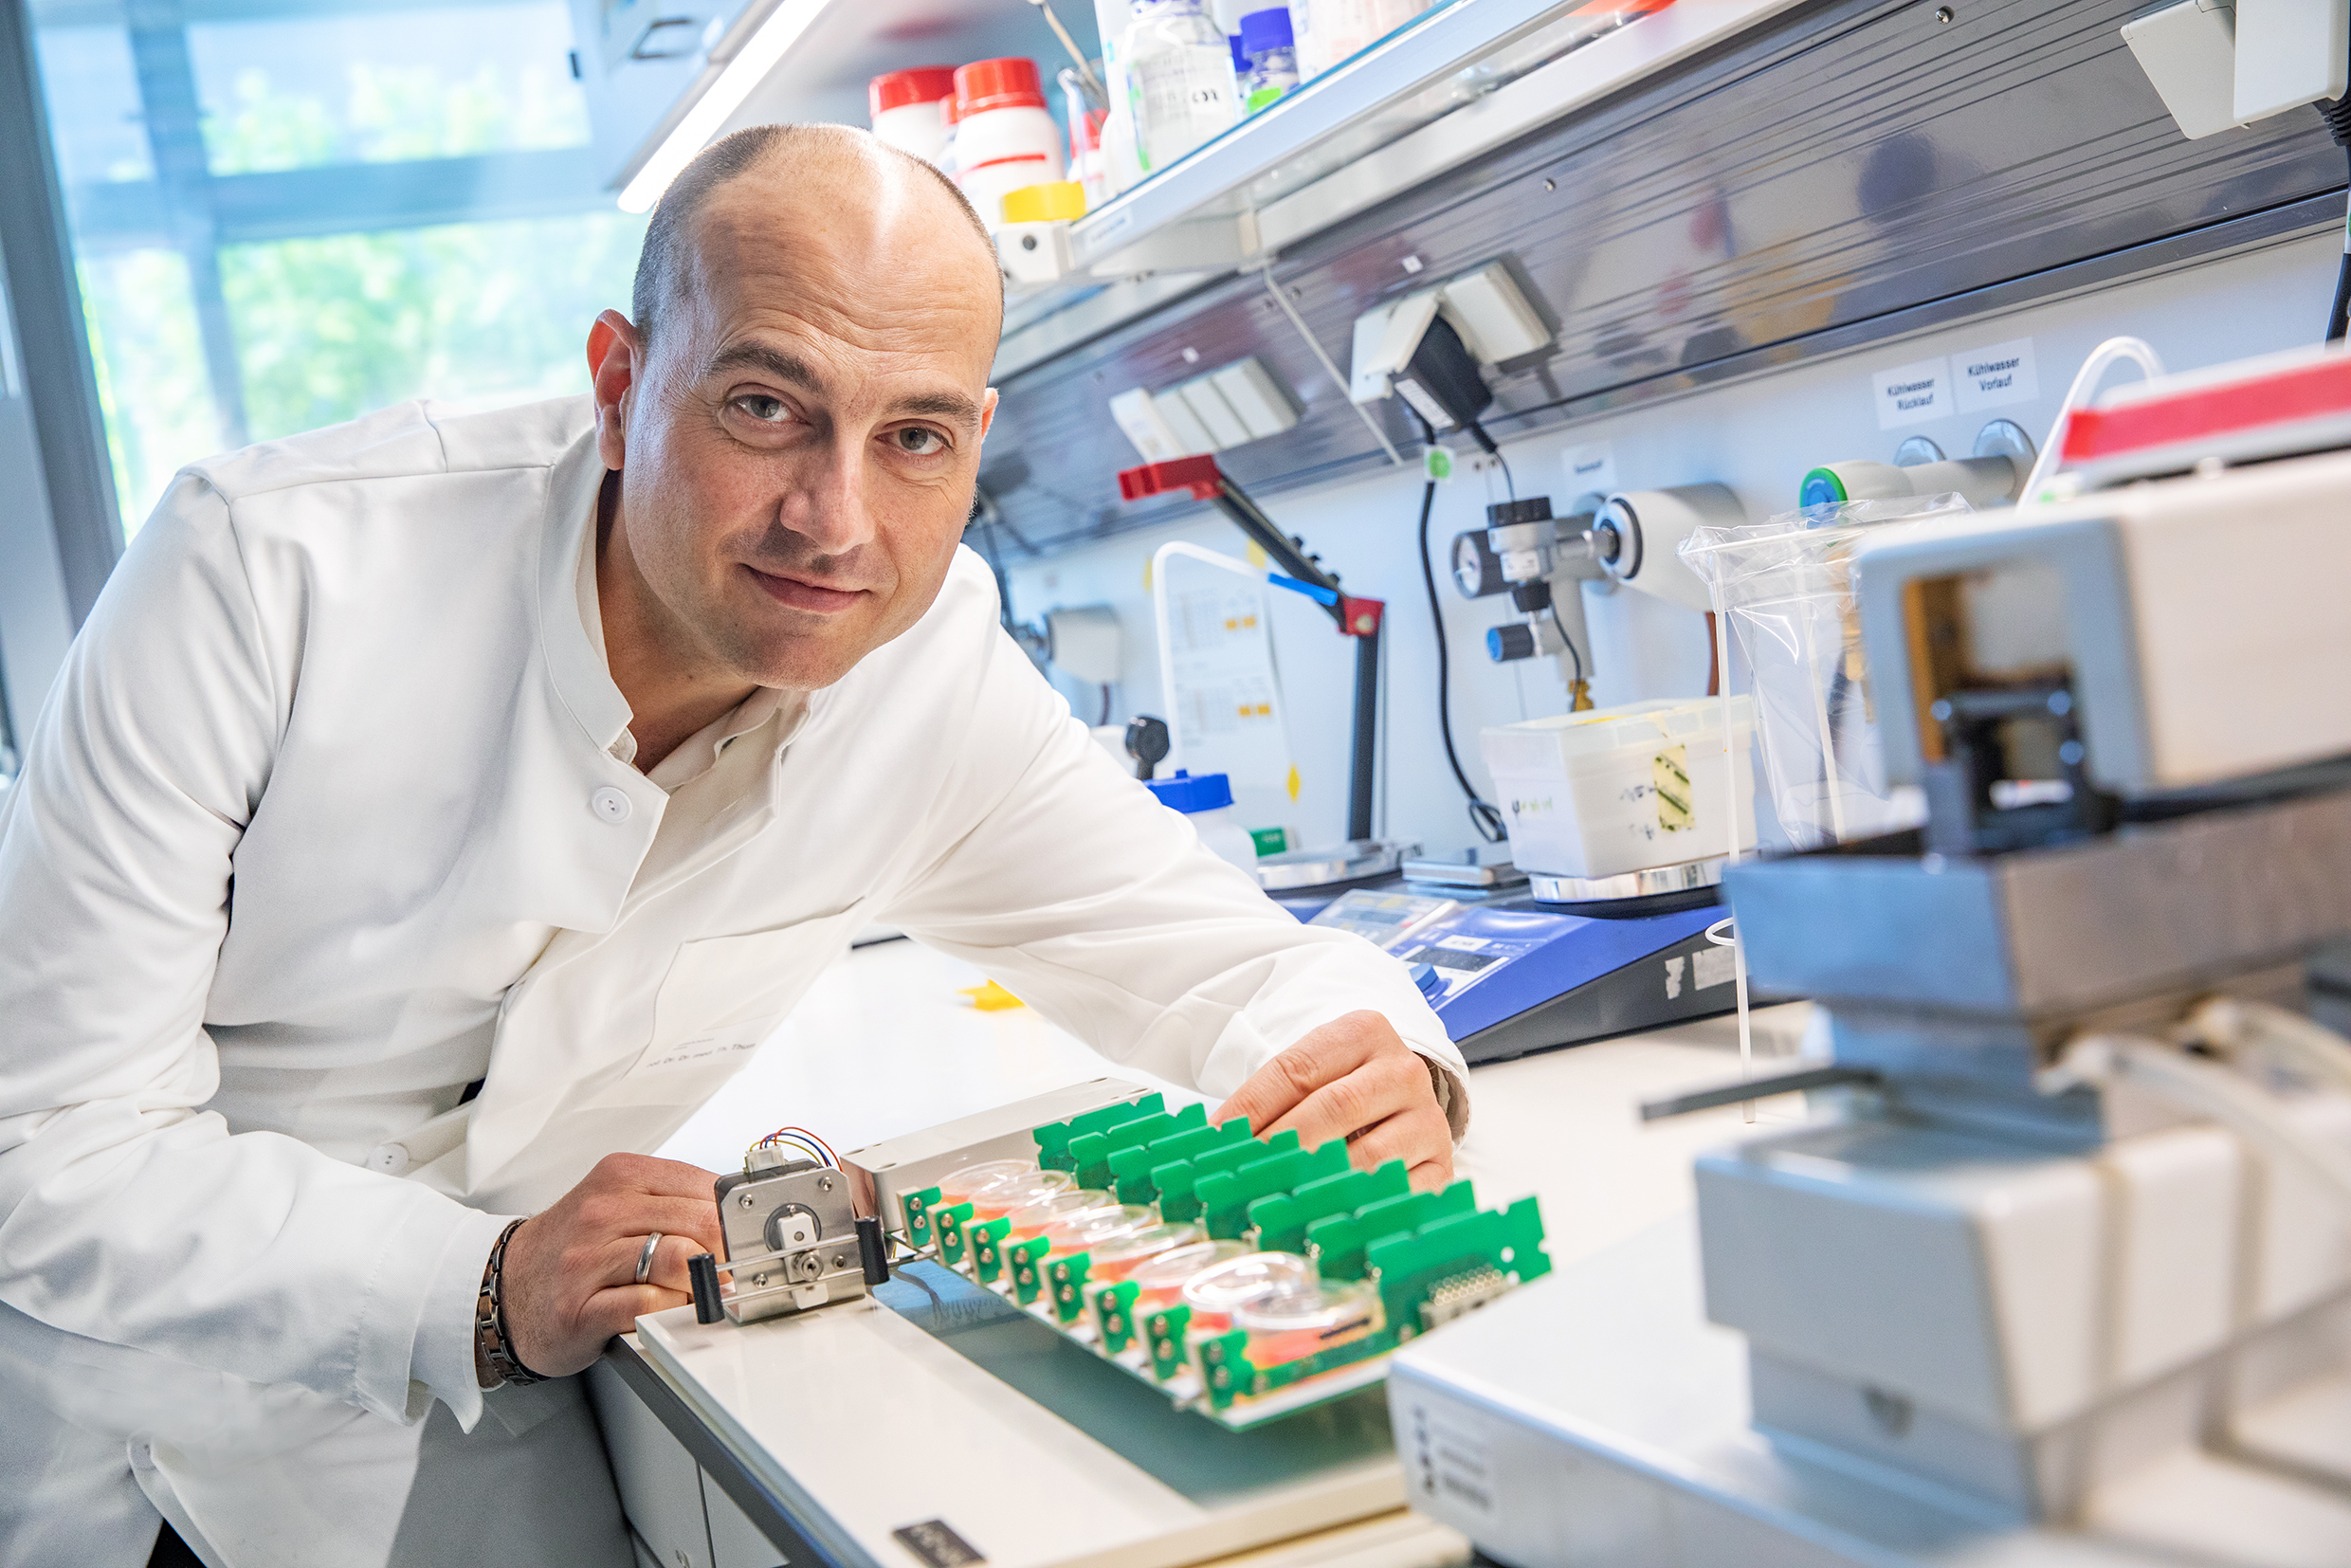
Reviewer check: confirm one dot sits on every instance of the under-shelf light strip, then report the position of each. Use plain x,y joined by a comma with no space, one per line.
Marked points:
778,33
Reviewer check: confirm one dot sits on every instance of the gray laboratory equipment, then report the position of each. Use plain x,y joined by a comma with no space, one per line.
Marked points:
2058,1270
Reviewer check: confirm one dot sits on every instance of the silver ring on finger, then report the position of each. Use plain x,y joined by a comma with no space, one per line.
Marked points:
645,1259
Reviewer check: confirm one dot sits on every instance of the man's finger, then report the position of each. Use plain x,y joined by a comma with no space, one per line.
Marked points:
1432,1176
1271,1090
1325,1053
668,1264
1361,1099
656,1177
1417,1137
617,1310
638,1214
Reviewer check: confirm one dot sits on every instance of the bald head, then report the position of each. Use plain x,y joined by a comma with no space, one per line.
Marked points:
795,178
794,418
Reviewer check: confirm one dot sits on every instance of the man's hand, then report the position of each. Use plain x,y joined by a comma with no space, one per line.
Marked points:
1352,1078
570,1273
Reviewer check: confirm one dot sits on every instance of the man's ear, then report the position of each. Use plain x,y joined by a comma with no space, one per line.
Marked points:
615,355
987,412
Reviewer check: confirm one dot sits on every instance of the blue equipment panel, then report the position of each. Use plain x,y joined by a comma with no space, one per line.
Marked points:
1511,977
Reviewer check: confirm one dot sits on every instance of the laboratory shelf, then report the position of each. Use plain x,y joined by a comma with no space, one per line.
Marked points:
1338,144
1456,83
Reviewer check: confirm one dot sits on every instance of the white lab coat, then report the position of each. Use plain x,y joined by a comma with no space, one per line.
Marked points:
320,824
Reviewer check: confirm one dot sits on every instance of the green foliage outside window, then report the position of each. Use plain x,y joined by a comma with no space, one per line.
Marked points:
331,327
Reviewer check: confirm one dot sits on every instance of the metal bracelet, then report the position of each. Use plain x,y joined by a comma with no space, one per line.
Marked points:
490,1320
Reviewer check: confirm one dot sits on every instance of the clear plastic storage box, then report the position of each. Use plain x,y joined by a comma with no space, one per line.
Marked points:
1624,789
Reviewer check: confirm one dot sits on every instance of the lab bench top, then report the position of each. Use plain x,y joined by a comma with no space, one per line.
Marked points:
829,1429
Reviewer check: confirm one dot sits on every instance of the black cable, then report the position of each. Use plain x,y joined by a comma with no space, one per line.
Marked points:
2336,114
1105,707
1483,817
1560,628
1509,485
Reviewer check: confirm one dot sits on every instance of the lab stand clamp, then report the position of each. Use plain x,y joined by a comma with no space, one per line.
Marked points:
2060,1270
1246,1278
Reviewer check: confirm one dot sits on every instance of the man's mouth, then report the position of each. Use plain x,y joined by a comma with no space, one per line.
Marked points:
800,593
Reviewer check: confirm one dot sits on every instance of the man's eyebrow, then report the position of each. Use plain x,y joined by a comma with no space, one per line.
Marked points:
759,357
941,405
789,367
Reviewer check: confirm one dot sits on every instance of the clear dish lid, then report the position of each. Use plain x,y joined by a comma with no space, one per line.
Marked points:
967,1184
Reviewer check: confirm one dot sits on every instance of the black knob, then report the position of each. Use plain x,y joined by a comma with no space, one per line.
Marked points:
873,1251
1510,642
1532,510
1531,598
1147,742
702,1270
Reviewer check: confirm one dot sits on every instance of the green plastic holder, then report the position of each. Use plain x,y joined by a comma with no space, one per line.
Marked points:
1025,1258
1114,1315
1337,1243
949,1223
1163,1337
986,1243
1066,1275
1052,1140
1225,1196
1281,1219
918,1207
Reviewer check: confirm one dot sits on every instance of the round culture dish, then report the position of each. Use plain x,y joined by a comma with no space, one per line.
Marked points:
1296,1322
1213,1294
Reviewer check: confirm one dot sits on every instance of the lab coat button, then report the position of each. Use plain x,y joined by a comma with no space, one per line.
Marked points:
390,1159
609,803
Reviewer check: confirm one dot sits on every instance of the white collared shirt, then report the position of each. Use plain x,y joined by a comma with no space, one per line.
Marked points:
329,814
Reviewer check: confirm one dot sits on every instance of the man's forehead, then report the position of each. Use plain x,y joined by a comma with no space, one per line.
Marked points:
859,243
848,290
929,373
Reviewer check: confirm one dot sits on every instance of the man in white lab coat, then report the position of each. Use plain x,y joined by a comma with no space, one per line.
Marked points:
551,753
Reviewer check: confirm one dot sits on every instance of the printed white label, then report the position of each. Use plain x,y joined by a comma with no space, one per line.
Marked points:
1673,978
1463,944
1591,466
1988,377
1712,966
1911,394
1182,97
1449,1463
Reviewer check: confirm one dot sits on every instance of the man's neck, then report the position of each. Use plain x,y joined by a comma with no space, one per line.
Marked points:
673,691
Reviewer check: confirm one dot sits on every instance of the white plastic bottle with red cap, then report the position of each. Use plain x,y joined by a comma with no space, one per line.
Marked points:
1005,139
908,110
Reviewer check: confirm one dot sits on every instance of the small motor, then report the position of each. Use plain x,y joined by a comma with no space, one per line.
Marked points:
794,1240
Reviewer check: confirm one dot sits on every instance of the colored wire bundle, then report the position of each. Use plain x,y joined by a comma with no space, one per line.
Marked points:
804,1140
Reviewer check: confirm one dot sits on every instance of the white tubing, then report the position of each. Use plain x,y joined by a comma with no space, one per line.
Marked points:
1730,776
2085,382
2204,1088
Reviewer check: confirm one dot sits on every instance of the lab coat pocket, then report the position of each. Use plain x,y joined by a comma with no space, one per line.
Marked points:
720,999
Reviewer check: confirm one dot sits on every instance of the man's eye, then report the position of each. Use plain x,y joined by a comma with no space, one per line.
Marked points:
766,409
918,441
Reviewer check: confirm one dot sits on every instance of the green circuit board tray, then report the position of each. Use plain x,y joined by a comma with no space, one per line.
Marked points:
1431,1257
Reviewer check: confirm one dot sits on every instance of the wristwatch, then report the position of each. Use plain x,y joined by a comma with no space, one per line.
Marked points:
491,1346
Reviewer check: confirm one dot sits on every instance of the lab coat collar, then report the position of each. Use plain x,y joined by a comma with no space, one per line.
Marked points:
581,678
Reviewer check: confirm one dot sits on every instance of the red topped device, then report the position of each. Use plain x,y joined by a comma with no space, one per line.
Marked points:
1198,475
2277,406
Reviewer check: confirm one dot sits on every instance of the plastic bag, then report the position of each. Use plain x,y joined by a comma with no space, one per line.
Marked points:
1785,590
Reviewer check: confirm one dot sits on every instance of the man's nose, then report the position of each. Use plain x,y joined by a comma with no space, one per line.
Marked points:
828,503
